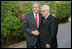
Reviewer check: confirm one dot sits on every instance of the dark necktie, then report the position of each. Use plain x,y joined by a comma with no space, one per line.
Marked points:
44,20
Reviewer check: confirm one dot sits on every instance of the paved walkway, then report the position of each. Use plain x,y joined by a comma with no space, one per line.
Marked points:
63,37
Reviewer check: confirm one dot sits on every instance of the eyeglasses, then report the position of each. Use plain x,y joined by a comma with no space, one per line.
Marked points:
43,11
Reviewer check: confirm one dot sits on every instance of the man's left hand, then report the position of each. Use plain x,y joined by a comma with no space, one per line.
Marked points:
48,46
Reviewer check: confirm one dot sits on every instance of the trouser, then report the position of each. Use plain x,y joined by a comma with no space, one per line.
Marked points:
38,44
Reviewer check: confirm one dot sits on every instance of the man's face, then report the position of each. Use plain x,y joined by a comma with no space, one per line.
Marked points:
44,12
36,8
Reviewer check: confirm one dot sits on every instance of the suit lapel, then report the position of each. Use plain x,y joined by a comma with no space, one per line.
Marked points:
47,20
39,19
33,19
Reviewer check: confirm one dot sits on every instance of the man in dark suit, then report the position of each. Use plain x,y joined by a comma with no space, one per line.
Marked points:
31,25
48,29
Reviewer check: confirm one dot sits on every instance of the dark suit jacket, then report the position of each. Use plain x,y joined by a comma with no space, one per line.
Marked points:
29,25
48,31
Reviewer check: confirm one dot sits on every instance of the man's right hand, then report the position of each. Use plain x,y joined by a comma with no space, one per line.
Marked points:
36,32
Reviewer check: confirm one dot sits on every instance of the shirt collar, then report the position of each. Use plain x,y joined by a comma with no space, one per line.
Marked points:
35,14
47,15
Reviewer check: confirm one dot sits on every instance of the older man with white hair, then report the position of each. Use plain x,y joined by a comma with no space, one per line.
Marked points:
48,29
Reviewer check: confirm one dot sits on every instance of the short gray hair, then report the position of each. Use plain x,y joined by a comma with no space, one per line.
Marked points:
45,6
36,3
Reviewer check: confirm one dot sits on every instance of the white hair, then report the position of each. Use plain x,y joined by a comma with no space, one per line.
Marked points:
46,7
36,3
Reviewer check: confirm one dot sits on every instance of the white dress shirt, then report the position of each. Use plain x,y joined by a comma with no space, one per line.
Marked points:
37,17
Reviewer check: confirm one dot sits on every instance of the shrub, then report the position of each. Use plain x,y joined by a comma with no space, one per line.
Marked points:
63,10
11,20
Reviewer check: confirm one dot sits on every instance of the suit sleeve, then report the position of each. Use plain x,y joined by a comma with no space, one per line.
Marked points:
25,26
54,29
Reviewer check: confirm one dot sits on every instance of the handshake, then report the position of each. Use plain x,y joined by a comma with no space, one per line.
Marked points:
36,32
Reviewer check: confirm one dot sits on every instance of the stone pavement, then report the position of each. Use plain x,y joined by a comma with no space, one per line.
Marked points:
64,35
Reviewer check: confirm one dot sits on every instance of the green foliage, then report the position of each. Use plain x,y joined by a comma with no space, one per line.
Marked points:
9,22
63,9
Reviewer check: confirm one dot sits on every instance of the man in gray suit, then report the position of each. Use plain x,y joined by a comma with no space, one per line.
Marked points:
31,25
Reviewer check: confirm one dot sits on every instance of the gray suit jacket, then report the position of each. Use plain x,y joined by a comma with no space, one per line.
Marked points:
29,25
